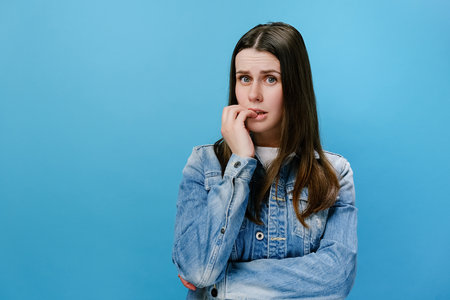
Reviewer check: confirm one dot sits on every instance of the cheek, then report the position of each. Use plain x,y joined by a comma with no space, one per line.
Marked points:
277,101
240,96
280,100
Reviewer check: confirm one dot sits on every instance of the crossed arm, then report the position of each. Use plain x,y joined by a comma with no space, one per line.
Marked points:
327,274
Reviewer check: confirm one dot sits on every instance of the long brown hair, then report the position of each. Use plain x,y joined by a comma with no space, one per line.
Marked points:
299,125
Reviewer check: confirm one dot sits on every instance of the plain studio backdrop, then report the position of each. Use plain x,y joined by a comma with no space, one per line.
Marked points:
102,101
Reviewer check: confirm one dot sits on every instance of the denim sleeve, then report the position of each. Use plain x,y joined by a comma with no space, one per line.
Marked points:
208,221
328,273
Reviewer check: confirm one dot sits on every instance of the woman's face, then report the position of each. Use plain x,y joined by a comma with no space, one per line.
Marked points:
258,88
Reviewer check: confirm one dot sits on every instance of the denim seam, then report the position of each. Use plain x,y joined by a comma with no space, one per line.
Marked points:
203,146
230,203
268,227
331,153
219,242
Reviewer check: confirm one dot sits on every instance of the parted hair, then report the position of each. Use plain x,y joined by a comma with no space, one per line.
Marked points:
299,124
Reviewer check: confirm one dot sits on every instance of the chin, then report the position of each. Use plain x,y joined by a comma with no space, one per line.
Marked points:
257,129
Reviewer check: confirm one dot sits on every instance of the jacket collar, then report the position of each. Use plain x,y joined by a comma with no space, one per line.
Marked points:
291,156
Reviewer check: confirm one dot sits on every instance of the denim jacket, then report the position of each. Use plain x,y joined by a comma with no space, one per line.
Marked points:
226,256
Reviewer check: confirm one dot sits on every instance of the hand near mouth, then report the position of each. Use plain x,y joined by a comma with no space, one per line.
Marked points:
235,132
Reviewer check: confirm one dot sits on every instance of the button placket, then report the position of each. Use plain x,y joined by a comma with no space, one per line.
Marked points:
277,222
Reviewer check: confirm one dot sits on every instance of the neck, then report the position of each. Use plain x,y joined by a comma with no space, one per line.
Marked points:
266,140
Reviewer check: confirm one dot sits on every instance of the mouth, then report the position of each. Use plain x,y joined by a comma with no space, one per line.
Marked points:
261,114
258,111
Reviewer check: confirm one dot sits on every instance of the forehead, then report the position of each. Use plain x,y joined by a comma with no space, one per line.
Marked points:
254,60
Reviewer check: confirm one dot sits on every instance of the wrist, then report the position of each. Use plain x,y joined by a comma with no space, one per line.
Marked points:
245,154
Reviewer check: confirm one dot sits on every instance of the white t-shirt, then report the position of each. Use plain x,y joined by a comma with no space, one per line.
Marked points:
266,155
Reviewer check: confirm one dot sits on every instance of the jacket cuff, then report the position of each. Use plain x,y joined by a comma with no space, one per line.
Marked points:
242,167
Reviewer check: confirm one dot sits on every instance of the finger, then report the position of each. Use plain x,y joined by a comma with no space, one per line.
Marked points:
231,112
243,115
187,284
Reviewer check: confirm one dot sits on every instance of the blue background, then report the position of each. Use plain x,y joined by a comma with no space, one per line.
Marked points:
102,101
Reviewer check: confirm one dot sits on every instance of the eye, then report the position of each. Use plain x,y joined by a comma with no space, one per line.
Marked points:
244,79
271,79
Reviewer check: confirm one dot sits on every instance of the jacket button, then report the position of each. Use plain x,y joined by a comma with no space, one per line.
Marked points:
259,235
222,230
237,164
214,292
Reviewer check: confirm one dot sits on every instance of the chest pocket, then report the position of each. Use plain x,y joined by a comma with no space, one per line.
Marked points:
311,236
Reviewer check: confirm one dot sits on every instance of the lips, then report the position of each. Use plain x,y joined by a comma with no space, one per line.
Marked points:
258,111
261,114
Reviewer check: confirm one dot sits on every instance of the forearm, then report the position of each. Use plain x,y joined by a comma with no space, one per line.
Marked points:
328,274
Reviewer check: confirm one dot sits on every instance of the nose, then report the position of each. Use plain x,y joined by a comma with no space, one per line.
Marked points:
255,94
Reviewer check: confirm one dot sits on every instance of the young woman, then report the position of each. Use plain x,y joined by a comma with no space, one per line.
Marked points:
265,213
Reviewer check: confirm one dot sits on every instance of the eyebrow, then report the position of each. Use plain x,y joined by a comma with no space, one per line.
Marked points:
263,72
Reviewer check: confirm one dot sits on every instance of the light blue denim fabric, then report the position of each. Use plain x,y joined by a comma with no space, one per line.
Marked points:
220,251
